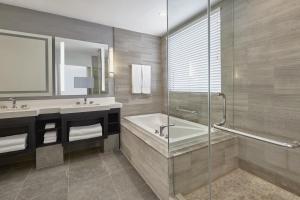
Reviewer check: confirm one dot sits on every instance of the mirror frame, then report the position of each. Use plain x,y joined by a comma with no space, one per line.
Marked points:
48,64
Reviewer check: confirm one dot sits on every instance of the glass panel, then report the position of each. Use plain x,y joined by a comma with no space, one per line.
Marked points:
255,155
188,97
224,146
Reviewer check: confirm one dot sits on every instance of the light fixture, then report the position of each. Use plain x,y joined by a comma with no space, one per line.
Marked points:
102,57
62,66
111,62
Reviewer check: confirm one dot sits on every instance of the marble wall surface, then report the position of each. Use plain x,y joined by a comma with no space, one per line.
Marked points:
190,170
266,86
136,48
267,67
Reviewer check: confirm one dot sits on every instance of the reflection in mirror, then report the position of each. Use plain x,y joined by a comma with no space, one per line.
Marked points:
81,67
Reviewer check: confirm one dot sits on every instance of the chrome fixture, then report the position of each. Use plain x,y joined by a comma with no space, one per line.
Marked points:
224,109
14,102
186,110
162,127
293,144
219,126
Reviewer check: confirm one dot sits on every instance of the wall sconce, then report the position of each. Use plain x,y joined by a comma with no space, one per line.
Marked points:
111,62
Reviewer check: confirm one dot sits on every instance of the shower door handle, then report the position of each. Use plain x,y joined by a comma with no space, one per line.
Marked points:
224,109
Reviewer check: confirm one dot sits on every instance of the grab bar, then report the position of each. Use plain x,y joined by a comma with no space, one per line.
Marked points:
224,109
187,111
294,144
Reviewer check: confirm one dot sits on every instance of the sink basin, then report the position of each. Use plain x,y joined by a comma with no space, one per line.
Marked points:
13,109
83,108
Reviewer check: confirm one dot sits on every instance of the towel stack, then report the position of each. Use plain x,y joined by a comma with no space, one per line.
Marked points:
13,143
50,136
85,132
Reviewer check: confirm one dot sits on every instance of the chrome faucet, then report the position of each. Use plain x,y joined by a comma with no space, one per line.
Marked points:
162,127
14,102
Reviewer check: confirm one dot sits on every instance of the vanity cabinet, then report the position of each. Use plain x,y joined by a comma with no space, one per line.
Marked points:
41,122
16,126
83,119
114,119
35,128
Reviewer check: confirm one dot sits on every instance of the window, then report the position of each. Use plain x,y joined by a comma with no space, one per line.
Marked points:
188,57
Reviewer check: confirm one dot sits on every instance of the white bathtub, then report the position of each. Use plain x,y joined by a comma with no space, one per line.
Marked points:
182,134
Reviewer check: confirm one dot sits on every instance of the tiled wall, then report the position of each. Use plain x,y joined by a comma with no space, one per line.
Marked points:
267,67
266,86
136,48
191,169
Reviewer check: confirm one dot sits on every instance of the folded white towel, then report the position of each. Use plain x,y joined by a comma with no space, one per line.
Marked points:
12,148
87,136
50,137
146,77
83,130
49,140
50,134
49,125
12,140
136,75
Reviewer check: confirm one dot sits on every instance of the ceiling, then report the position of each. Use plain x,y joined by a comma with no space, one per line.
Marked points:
145,16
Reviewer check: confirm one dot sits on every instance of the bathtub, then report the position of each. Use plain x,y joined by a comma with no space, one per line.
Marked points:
183,134
155,159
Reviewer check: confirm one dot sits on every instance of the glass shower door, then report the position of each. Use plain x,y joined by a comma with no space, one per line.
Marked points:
255,53
187,64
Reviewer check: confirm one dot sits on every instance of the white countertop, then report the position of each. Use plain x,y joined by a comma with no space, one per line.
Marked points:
62,106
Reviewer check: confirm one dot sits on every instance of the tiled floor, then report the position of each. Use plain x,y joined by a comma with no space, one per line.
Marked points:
240,185
88,175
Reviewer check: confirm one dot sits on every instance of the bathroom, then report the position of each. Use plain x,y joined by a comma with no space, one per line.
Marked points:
149,100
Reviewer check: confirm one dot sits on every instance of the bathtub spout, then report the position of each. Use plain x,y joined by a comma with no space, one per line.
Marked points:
162,127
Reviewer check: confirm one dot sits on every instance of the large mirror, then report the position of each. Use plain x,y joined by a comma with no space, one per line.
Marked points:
81,68
25,64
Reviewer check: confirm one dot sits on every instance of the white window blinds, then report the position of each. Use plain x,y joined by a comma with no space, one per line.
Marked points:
188,57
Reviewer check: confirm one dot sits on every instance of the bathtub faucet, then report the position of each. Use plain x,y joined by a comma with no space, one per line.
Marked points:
162,127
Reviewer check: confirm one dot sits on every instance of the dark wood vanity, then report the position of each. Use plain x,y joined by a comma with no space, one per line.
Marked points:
35,128
16,126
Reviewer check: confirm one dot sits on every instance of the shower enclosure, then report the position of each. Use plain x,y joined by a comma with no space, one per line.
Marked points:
233,67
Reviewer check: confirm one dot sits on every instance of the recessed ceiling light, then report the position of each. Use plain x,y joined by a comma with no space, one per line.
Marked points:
162,13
